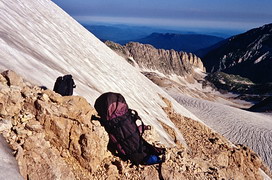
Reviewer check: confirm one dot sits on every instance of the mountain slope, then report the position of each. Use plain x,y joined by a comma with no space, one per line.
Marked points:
248,55
180,42
40,42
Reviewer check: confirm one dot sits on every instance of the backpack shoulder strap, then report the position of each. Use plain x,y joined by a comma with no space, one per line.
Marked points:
135,117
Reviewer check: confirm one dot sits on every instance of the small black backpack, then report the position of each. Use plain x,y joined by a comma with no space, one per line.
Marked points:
64,85
125,136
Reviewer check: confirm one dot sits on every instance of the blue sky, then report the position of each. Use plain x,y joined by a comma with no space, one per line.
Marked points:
214,14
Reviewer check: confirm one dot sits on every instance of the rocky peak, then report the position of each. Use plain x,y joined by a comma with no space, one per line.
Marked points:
165,61
53,138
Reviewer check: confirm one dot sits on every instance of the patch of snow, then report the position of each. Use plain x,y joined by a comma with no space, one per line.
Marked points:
195,86
200,72
8,164
135,64
144,69
222,81
261,58
264,175
243,82
178,79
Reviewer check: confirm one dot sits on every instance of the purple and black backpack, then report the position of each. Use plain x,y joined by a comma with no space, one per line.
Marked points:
125,137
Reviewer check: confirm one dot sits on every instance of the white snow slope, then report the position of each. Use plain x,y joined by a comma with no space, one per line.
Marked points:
39,41
239,126
8,163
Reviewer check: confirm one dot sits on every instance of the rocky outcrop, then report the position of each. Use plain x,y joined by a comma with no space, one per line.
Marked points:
248,55
165,61
53,138
262,106
52,135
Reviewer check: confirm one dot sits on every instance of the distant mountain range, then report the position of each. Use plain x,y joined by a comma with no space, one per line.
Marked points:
116,33
187,41
179,42
248,55
125,33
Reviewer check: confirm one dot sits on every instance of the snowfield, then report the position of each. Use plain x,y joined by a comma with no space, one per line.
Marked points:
39,41
239,126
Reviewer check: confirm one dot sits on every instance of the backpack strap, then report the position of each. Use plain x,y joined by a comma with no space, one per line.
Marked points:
136,117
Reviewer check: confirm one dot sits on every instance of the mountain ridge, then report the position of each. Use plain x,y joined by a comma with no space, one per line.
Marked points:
179,42
248,55
167,62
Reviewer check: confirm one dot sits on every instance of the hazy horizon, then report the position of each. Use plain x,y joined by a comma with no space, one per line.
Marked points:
225,15
221,32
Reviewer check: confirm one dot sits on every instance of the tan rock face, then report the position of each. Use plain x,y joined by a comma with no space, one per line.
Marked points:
165,61
53,138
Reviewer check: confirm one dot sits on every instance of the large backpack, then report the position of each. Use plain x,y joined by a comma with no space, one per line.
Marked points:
125,137
64,85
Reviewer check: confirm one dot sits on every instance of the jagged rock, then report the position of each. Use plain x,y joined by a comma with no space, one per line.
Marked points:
3,80
54,138
41,160
121,50
11,101
53,135
165,61
12,78
112,171
34,126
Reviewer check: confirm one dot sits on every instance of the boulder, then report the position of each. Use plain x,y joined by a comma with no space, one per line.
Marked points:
12,78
